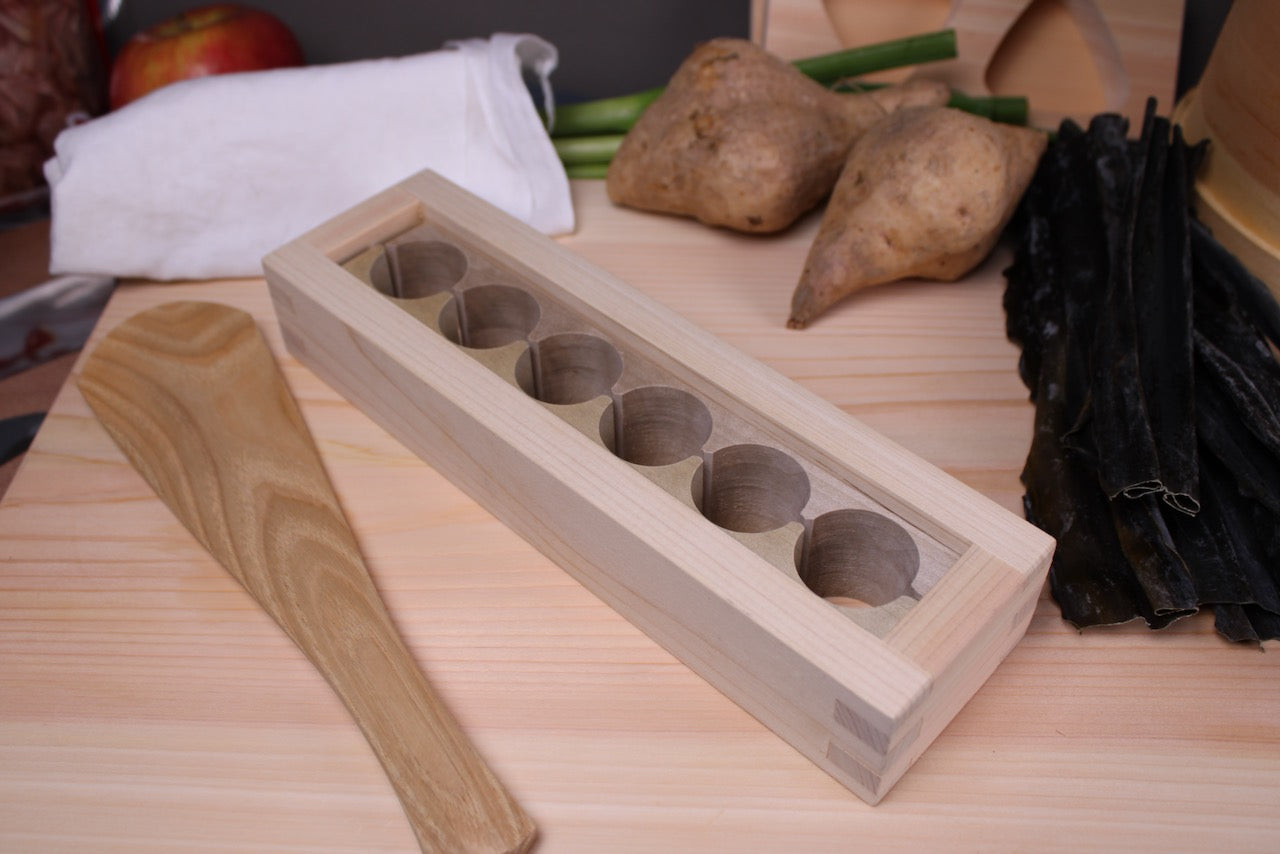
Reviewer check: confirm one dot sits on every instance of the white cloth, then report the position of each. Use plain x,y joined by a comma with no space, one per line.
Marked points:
203,178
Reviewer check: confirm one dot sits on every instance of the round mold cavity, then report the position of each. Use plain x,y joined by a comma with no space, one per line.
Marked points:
419,268
858,558
490,316
656,425
751,488
573,367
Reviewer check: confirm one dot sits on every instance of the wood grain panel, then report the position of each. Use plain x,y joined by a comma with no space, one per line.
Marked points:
147,705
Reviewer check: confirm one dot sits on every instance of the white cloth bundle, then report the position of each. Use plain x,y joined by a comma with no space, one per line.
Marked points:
203,178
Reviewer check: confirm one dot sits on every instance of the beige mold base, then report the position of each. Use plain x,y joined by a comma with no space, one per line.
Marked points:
844,592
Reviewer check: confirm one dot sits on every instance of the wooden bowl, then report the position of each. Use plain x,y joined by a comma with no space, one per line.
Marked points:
1237,108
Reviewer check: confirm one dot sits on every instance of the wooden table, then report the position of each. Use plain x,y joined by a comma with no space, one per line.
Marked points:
146,704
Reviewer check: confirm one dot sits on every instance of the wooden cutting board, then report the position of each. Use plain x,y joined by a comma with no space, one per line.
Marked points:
148,705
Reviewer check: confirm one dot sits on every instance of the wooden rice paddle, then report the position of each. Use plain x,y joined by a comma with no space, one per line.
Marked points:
192,395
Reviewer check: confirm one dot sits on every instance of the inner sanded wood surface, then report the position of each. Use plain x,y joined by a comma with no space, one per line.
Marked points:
706,454
147,704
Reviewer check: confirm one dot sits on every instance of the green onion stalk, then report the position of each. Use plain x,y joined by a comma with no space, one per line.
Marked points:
1010,109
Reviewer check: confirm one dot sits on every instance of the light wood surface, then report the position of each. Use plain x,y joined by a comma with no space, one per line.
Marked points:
192,395
147,703
860,690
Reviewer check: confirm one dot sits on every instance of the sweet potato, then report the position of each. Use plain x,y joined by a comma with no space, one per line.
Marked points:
925,193
742,139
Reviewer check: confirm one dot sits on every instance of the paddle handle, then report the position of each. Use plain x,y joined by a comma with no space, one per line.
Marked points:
193,396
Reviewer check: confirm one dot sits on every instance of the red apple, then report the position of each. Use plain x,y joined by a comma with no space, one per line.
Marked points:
213,39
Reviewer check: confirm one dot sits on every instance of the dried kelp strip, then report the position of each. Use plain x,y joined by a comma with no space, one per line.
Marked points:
1063,498
1156,455
1232,561
1217,267
1238,315
1162,291
1249,553
1058,218
1154,560
1052,310
1238,426
1029,297
1246,623
1234,520
1137,423
1114,428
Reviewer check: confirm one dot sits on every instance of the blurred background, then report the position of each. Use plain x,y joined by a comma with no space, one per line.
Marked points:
605,48
54,54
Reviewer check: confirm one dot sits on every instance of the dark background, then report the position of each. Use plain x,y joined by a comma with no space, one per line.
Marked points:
605,48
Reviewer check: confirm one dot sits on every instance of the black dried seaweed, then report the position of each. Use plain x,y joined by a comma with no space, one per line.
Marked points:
1250,550
1054,319
1133,294
1030,290
1237,315
1155,460
1063,498
1113,429
1237,425
1162,289
1154,560
1220,269
1224,566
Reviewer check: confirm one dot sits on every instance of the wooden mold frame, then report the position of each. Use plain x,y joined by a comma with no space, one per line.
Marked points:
847,594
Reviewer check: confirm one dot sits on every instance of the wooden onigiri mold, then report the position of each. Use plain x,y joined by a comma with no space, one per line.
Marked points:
849,595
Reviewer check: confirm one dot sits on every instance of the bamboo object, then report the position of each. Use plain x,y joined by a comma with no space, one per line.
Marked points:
1070,58
849,595
193,397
